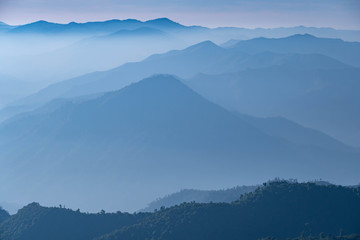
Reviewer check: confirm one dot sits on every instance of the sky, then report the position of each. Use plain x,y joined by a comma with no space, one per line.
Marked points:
340,14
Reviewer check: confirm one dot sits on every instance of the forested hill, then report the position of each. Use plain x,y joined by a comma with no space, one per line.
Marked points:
3,215
278,209
35,222
199,196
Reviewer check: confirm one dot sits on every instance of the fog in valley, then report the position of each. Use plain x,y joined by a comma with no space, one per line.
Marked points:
113,115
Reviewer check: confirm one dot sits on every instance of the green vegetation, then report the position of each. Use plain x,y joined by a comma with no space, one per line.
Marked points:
322,236
280,209
199,196
276,210
37,222
3,215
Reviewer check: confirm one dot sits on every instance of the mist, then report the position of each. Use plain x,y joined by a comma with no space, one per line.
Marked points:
112,115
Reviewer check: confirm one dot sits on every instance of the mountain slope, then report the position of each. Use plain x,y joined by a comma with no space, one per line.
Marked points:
145,31
179,63
12,89
74,49
199,196
291,131
279,210
321,98
205,57
36,222
44,27
347,52
153,132
4,215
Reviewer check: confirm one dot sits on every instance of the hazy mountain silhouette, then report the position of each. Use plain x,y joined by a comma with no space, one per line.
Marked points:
12,89
44,27
291,131
59,49
186,62
199,196
76,49
302,94
228,195
299,86
164,23
157,127
347,52
138,32
222,33
281,32
205,57
5,27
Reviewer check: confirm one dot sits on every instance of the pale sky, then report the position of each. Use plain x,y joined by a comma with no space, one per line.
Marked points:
341,14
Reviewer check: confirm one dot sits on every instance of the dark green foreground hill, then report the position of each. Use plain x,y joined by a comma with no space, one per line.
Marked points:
3,215
278,209
35,222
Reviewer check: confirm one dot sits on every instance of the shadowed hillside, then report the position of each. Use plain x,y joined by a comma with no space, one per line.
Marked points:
280,209
36,222
199,196
158,129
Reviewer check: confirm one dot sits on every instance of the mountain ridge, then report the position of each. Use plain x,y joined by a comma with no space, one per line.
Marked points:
156,127
279,208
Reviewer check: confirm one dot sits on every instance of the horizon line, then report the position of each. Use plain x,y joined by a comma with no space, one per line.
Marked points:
152,19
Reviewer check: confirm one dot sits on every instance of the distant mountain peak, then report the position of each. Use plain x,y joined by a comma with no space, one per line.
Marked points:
157,83
164,22
204,45
42,22
303,36
162,80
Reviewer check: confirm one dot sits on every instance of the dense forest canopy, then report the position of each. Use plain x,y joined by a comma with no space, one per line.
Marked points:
278,209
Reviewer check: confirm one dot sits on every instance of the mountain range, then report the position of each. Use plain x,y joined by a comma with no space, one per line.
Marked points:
300,82
12,89
90,28
73,49
314,97
156,127
44,27
346,52
199,196
205,57
108,116
278,209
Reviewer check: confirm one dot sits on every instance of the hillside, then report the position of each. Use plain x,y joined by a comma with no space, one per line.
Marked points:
205,57
280,210
37,222
44,27
292,131
3,215
12,89
158,129
347,52
302,94
200,196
